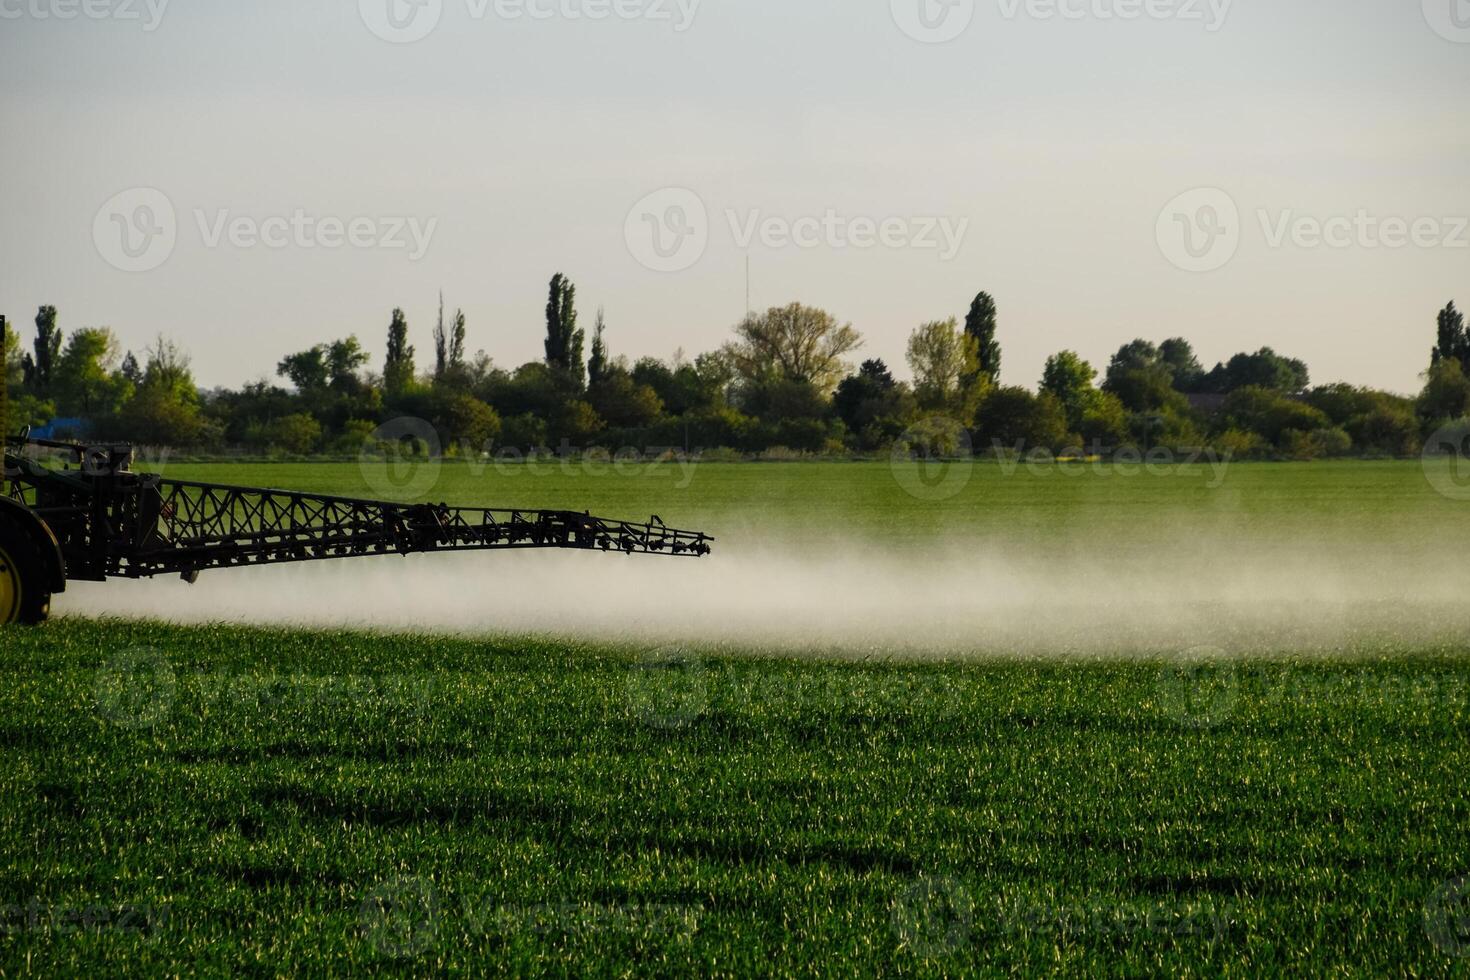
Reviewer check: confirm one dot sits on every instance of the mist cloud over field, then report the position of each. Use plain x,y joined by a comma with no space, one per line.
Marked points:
975,598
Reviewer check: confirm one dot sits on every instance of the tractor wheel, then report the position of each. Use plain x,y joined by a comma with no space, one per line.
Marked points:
24,598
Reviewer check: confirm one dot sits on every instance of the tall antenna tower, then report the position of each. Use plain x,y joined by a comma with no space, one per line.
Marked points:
747,285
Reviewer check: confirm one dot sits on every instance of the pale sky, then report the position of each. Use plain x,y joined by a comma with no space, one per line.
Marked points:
1050,148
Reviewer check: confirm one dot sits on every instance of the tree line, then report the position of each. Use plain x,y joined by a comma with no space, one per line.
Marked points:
783,384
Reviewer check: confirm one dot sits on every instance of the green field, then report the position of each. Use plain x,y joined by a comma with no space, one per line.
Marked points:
235,799
914,503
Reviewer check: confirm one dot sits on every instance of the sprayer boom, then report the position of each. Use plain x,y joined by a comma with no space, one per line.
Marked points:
97,520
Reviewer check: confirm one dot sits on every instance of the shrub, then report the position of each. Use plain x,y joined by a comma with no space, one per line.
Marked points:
1271,415
1316,444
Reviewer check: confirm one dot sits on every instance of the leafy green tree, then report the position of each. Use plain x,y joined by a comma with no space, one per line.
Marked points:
40,368
1104,423
441,343
1446,395
1263,369
1186,373
875,408
8,344
448,344
131,369
345,358
578,423
624,403
165,409
297,434
944,362
84,378
1271,414
1068,378
597,362
398,370
456,341
525,432
1454,339
464,422
534,389
980,324
306,370
563,340
794,343
1013,419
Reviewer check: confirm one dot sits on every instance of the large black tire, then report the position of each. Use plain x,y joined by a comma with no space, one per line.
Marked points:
25,598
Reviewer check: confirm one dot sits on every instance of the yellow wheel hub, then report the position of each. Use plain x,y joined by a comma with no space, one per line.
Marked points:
10,594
